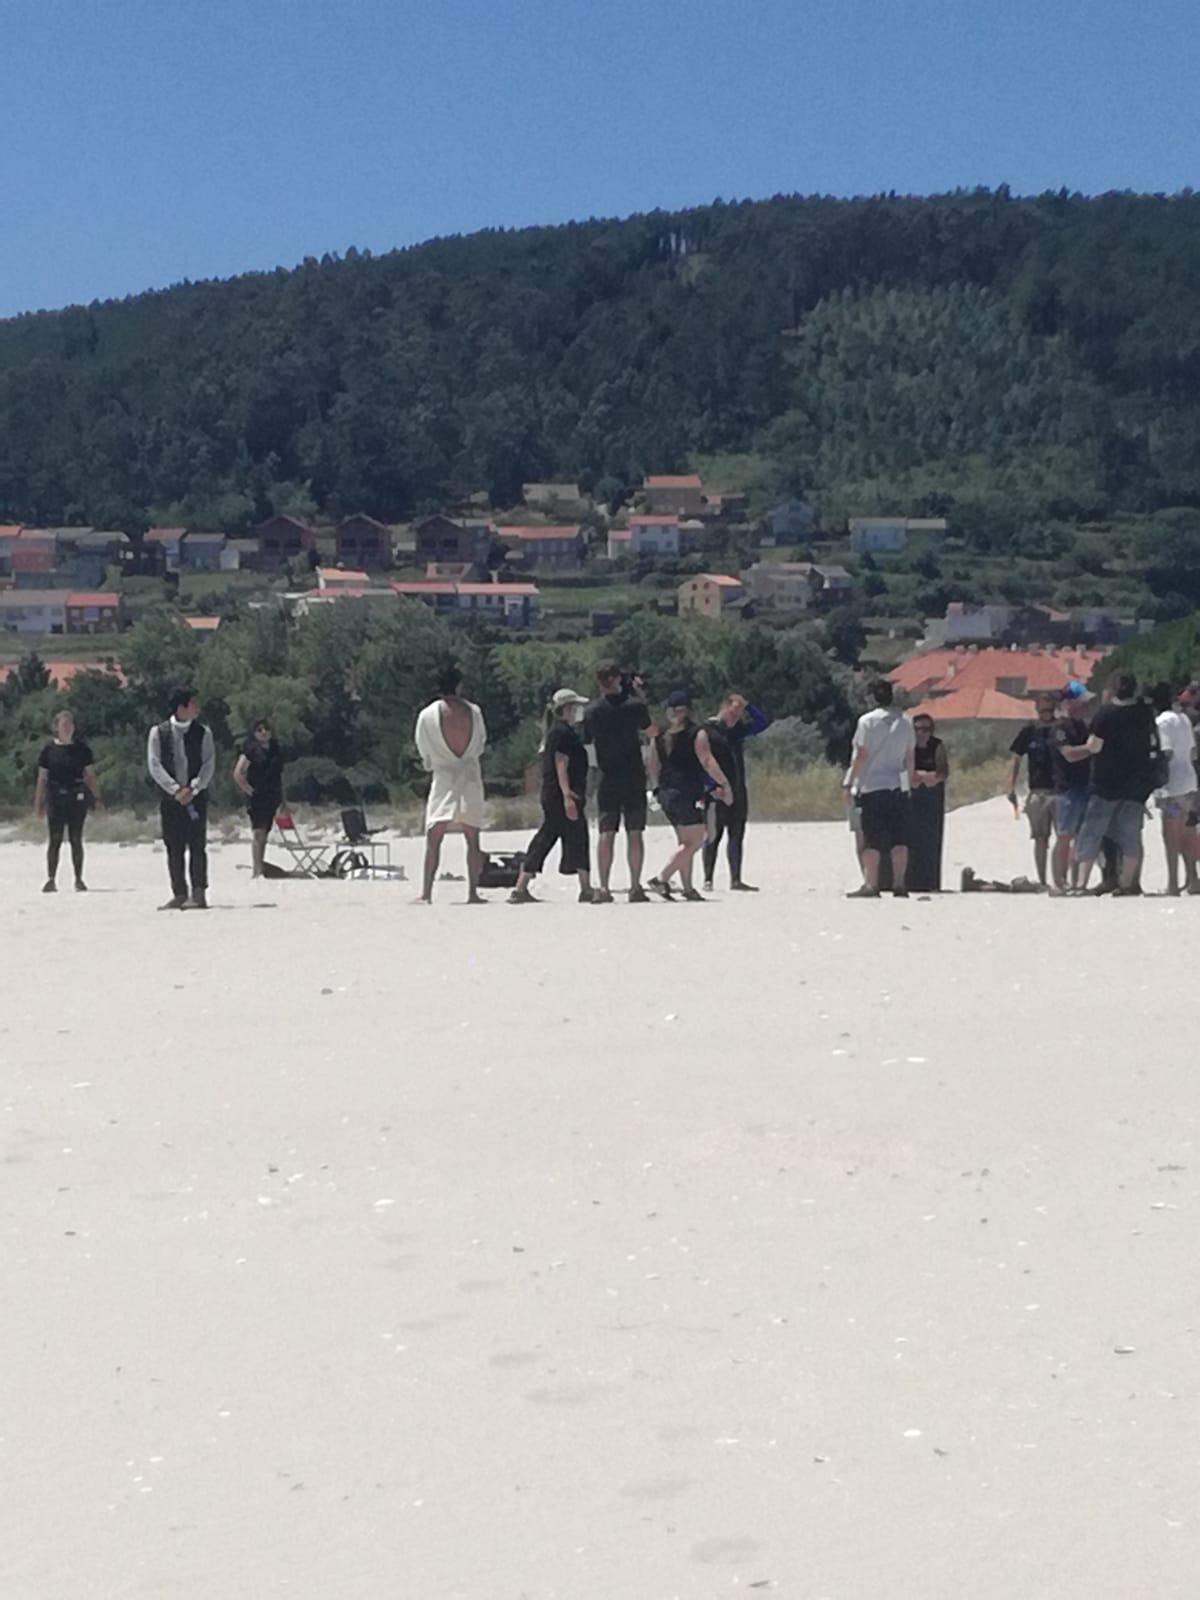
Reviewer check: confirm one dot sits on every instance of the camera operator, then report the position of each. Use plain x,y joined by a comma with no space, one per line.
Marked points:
615,724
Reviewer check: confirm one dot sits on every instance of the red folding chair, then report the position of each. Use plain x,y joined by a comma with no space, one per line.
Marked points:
308,859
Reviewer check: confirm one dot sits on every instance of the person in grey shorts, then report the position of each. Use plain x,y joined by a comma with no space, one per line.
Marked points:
1036,742
1124,743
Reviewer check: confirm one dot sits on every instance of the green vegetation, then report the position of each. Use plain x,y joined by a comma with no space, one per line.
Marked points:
343,689
1007,361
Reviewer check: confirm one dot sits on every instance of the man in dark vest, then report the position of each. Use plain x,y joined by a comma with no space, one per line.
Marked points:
181,759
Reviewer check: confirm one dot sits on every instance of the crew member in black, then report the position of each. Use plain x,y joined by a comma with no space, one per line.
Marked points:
613,725
1124,744
931,769
181,760
258,773
734,723
564,800
682,757
66,785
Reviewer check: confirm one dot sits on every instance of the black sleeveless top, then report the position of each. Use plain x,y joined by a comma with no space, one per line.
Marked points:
679,766
925,757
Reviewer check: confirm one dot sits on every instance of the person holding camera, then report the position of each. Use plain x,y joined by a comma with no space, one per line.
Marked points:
66,788
614,725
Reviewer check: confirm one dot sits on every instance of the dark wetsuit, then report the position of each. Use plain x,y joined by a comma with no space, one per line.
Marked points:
729,749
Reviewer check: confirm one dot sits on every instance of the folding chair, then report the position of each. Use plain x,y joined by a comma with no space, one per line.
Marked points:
309,859
360,837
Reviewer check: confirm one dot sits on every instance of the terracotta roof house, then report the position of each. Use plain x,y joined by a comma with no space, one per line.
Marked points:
681,493
712,594
560,546
1018,674
93,611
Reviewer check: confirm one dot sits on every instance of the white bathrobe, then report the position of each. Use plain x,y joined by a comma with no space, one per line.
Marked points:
456,792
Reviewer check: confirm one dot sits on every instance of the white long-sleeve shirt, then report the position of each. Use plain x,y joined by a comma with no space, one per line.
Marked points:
164,780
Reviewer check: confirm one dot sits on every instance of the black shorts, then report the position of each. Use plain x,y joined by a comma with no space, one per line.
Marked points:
682,810
261,810
621,798
885,816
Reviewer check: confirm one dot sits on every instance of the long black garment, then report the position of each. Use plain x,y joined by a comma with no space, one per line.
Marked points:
927,826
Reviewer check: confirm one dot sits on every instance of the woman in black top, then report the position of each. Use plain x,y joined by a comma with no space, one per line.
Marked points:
258,773
564,798
66,786
927,821
682,757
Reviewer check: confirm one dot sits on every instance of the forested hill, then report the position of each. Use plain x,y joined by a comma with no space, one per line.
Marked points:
990,356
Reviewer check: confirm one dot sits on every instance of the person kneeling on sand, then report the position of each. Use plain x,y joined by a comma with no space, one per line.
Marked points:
451,737
881,773
564,800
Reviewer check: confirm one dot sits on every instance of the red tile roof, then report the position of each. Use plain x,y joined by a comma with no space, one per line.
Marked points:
91,598
971,704
203,624
722,579
982,669
648,519
343,575
165,535
667,480
61,672
420,586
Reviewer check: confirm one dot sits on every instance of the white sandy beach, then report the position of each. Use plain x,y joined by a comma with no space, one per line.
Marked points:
784,1245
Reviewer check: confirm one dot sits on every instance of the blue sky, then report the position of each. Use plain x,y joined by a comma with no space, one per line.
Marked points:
145,141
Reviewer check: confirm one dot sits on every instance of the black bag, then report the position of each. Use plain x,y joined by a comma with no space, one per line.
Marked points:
500,872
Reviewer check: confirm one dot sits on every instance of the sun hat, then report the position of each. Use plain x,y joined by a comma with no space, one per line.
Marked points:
566,697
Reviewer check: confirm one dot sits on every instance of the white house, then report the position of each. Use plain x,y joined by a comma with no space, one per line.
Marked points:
964,624
653,534
33,610
869,534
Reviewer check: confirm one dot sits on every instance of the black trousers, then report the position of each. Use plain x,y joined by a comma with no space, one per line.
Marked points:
66,818
730,822
186,839
557,825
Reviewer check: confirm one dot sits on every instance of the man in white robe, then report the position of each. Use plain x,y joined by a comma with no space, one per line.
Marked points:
451,737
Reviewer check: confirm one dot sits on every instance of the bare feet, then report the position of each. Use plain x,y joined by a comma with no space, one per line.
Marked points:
423,900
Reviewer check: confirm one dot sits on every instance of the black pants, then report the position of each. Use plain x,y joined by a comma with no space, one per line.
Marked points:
186,839
69,818
557,825
726,821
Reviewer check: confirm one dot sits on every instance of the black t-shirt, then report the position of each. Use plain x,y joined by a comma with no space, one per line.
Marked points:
65,764
1070,774
562,740
614,724
264,771
1036,740
1122,770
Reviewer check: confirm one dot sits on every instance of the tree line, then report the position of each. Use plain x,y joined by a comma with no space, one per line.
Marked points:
998,358
343,689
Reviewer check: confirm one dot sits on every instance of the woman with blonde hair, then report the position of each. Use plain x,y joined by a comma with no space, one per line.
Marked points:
66,787
564,799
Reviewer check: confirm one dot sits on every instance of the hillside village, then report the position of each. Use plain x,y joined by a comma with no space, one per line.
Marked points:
561,566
